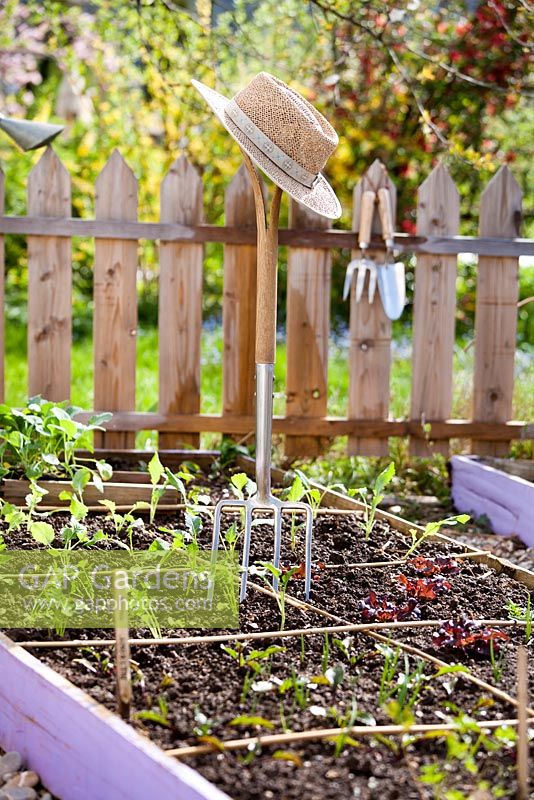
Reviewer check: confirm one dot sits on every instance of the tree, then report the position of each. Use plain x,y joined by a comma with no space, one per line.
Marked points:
410,83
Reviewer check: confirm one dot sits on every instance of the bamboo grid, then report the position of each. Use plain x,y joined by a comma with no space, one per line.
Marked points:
306,426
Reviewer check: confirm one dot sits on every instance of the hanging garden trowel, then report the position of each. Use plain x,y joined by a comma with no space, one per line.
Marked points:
363,264
391,282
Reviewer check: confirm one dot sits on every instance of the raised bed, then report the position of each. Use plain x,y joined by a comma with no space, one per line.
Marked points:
81,750
201,673
130,482
497,490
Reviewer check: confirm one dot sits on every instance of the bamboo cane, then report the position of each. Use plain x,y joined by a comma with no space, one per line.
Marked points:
249,742
258,635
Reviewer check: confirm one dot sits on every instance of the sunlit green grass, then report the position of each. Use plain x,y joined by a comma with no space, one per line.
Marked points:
211,376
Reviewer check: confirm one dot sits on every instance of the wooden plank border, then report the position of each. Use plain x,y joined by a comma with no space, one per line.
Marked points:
507,500
81,750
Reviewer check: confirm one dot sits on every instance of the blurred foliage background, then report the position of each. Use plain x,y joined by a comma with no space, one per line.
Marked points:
410,83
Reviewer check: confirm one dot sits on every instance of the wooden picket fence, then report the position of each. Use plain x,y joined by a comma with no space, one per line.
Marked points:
182,233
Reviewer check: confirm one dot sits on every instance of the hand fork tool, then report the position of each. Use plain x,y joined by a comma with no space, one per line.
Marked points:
391,281
263,500
363,264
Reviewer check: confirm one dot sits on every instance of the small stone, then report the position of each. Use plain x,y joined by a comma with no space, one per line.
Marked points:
27,779
332,773
18,793
9,763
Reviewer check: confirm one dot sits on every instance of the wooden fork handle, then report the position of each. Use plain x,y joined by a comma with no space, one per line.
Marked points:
367,209
386,216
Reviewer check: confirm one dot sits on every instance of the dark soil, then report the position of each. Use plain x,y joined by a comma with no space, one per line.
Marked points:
202,686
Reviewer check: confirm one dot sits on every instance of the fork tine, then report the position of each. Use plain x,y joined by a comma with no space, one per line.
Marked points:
246,552
360,280
277,543
216,535
308,560
373,274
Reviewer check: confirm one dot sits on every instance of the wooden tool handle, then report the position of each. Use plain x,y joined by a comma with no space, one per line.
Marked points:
367,209
267,267
386,216
266,286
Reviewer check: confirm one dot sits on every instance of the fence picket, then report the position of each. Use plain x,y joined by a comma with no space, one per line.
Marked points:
438,214
2,272
239,302
49,284
115,299
180,303
496,310
307,331
370,333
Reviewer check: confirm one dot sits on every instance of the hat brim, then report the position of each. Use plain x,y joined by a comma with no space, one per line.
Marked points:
319,198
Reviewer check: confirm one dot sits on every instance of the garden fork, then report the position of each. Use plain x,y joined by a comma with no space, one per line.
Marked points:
363,263
263,500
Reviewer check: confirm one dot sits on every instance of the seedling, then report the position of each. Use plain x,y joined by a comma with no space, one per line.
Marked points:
247,721
229,452
294,494
431,528
400,689
424,589
284,577
347,721
463,746
335,675
497,661
42,437
251,659
381,609
516,611
125,523
301,489
299,686
438,565
467,634
377,489
16,518
159,716
204,725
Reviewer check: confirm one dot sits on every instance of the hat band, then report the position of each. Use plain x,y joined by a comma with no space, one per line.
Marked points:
268,147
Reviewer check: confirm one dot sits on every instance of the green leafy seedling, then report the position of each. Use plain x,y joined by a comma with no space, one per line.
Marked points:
377,495
431,528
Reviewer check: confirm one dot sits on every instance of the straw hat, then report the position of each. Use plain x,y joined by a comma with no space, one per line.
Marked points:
284,135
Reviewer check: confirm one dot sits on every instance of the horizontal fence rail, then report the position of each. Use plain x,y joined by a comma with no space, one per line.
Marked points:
306,426
246,234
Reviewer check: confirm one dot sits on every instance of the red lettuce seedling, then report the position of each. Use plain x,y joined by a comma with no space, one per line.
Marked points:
424,589
300,571
439,565
467,634
380,608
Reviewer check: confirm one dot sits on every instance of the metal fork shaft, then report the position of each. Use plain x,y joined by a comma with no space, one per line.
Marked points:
264,429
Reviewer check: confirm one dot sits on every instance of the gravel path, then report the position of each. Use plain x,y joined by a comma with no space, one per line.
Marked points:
19,783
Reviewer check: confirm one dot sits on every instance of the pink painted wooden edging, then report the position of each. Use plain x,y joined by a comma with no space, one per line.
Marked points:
81,750
507,500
